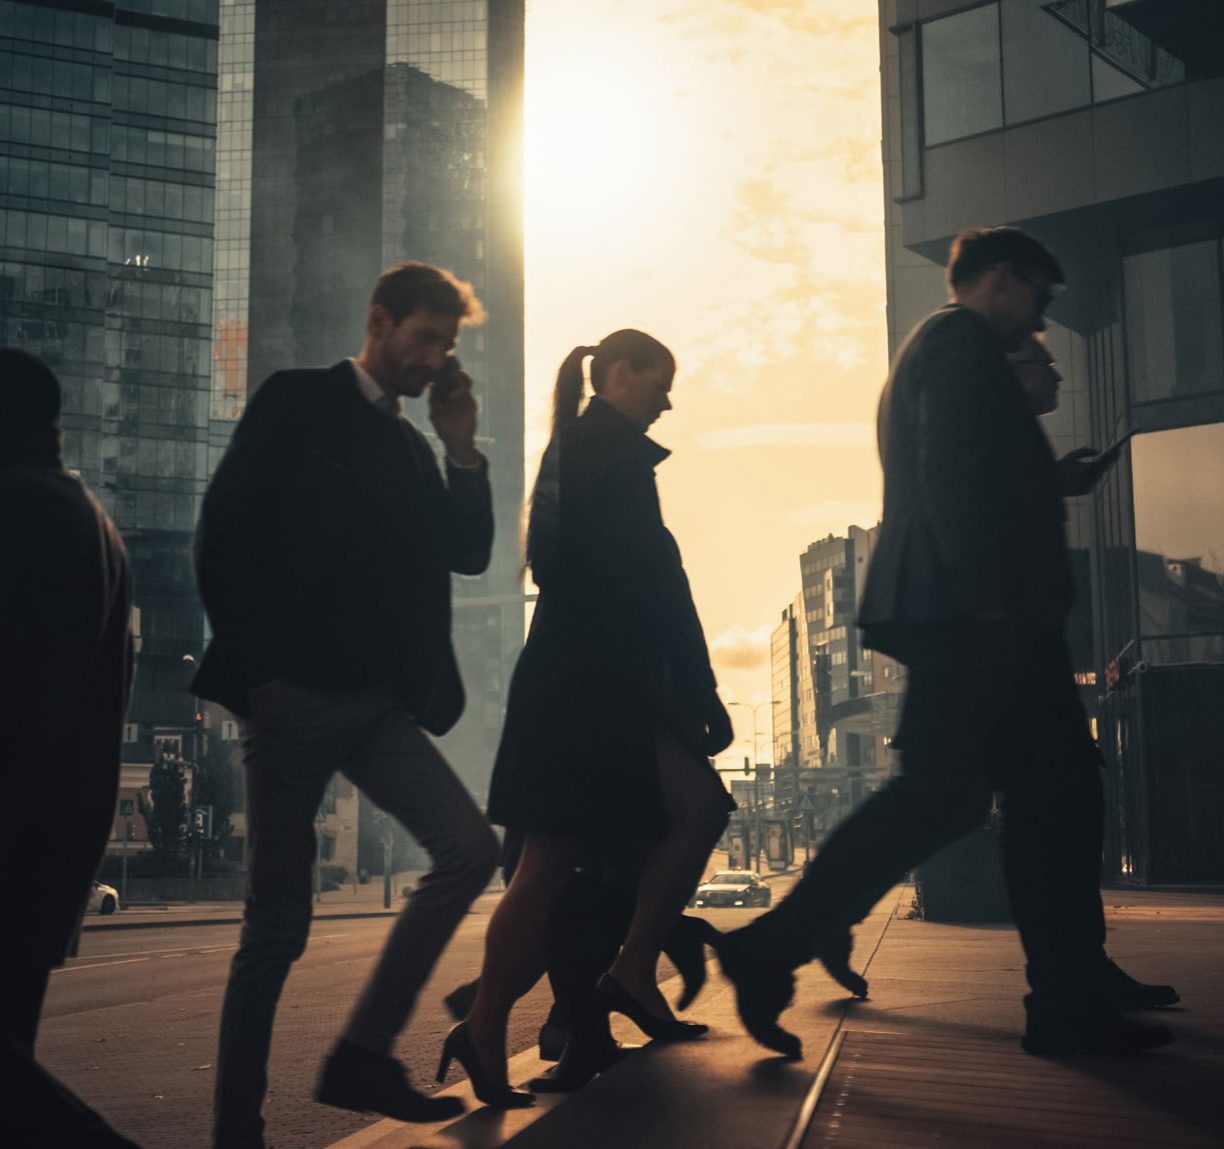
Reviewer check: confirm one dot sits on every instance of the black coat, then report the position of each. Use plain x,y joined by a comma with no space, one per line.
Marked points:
325,547
615,649
65,676
974,523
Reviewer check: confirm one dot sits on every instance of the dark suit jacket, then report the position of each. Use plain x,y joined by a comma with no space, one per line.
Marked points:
973,524
65,674
325,547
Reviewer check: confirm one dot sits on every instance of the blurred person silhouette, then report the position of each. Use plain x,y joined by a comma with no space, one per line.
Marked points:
970,587
65,677
613,708
324,554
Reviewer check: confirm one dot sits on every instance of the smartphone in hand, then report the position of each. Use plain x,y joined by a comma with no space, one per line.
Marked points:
446,380
1109,456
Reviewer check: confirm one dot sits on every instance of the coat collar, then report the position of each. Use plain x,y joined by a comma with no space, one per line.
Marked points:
605,419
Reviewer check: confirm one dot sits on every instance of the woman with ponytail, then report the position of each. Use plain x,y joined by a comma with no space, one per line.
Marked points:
613,711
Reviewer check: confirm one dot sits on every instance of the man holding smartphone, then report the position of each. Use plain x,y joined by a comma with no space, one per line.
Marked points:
970,587
324,553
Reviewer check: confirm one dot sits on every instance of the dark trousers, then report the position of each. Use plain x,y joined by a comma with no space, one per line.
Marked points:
988,709
296,740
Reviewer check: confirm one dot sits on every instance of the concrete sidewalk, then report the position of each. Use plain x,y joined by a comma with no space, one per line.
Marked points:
931,1058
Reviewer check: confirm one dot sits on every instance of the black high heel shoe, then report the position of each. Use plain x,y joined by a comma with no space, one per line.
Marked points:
615,998
458,1047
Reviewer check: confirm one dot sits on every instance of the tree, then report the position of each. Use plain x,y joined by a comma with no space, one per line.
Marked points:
217,786
164,810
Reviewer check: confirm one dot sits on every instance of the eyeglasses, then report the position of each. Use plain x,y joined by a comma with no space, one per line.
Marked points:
1045,291
1034,362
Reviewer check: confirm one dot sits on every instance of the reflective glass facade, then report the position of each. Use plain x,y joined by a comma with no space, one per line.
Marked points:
107,154
995,64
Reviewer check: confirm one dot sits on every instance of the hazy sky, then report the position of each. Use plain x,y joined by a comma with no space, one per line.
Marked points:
709,171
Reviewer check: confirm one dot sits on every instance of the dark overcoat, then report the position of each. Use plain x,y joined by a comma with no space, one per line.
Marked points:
615,649
65,676
974,522
325,548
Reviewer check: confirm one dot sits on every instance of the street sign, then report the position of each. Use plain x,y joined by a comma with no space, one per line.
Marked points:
127,807
201,822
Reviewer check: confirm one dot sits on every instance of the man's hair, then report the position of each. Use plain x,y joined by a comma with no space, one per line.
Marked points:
409,287
980,248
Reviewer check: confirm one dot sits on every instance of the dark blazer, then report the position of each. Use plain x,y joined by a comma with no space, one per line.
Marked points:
974,524
65,676
325,547
615,648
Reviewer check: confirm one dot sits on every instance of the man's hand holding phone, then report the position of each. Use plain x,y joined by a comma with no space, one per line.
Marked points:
452,411
1080,470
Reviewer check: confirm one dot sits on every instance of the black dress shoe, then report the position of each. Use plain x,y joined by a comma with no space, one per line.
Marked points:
1057,1027
579,1064
367,1082
458,1047
686,951
834,954
615,998
763,989
552,1041
1127,993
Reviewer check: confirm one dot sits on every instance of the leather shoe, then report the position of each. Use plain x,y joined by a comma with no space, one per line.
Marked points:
367,1082
763,989
1055,1028
685,949
460,1000
578,1065
834,954
1127,993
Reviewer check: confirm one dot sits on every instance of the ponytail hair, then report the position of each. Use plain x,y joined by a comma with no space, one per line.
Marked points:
567,392
641,350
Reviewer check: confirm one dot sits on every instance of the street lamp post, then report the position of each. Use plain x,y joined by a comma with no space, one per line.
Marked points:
756,779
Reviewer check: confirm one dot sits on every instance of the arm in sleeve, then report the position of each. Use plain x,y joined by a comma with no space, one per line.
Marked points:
467,521
960,423
239,556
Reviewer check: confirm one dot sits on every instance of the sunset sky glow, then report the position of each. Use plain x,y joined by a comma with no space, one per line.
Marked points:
710,172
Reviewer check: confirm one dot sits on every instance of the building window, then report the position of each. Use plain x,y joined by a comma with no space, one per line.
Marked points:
1045,63
962,75
1174,324
1179,543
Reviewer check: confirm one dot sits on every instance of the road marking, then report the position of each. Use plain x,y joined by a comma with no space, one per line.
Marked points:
97,965
181,951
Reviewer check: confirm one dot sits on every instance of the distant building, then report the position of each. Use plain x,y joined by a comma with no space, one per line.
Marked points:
352,137
107,157
1098,126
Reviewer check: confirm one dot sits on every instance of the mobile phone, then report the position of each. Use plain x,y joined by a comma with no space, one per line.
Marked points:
1111,453
446,378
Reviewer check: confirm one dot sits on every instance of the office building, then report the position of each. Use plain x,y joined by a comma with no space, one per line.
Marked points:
1098,126
107,154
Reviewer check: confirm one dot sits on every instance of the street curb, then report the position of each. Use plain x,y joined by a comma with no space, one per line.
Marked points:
90,927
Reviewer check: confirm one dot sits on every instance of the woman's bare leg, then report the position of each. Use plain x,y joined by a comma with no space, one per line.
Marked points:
696,807
514,942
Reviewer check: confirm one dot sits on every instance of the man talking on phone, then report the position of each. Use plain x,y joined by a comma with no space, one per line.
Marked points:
324,553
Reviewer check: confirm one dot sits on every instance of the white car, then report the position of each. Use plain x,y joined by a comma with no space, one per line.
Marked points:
103,899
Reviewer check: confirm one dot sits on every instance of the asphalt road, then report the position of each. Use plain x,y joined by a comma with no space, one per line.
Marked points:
131,1023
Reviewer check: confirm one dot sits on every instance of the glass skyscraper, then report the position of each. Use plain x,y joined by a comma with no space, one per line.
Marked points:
107,154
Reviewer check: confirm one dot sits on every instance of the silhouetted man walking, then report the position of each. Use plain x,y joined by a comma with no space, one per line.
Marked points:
324,555
970,587
65,673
